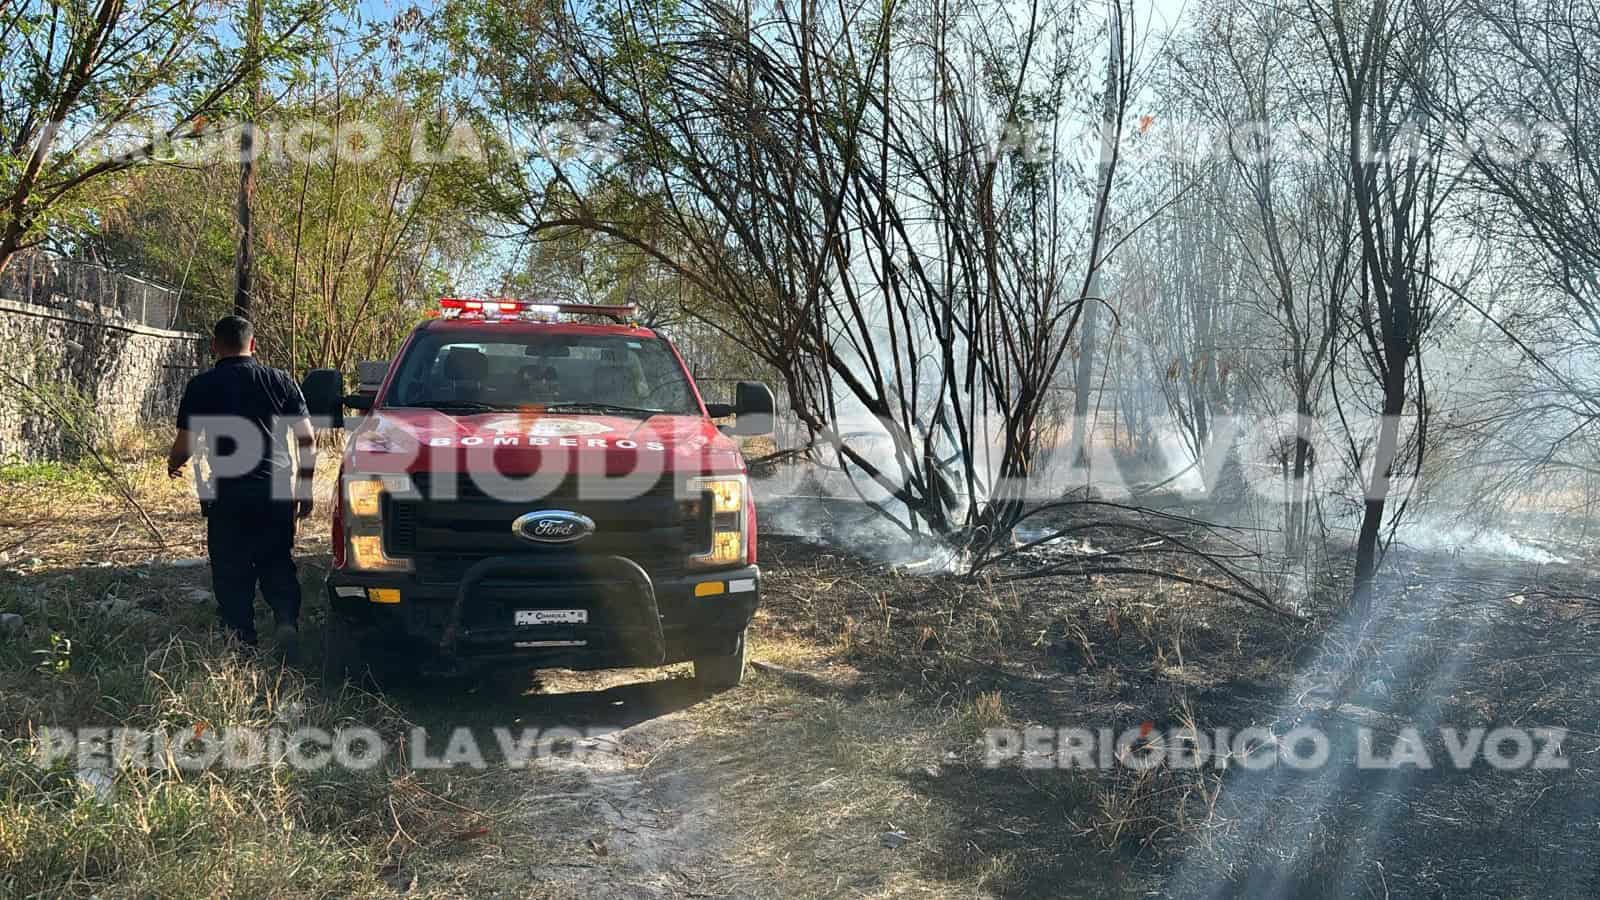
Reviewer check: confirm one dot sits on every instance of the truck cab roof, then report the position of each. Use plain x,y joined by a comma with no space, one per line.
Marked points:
519,396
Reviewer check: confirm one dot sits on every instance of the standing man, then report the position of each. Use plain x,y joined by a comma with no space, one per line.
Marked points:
246,412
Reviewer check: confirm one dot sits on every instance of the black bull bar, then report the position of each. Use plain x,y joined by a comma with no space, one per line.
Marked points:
620,599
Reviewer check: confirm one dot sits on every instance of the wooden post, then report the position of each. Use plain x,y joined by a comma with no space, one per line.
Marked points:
244,260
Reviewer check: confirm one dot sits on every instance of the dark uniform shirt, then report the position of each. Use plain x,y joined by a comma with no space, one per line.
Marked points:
234,400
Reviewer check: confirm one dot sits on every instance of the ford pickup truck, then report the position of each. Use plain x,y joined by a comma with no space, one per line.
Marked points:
526,485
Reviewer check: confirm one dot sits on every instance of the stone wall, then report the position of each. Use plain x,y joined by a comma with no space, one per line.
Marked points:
132,375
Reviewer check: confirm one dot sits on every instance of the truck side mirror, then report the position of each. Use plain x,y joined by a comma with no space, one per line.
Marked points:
753,404
369,378
370,375
324,393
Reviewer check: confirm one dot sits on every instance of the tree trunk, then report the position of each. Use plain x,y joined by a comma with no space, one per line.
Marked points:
1091,313
1085,376
1296,523
1394,400
8,249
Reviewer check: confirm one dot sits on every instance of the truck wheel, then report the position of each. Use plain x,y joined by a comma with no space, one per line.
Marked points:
341,651
719,673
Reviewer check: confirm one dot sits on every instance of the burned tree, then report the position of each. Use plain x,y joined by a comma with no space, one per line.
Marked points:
1384,56
883,208
1284,218
1520,104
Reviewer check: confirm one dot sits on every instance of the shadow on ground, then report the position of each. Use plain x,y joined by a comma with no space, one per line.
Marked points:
516,698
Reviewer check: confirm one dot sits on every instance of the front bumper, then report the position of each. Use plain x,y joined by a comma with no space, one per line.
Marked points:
633,619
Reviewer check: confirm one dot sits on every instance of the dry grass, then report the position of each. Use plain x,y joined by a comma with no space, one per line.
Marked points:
975,656
851,762
111,638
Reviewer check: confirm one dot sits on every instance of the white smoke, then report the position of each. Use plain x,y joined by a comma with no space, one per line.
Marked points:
1429,533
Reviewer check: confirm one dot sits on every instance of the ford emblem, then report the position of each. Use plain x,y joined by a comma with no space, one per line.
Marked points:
553,526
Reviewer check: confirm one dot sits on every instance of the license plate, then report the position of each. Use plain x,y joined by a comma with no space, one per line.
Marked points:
552,616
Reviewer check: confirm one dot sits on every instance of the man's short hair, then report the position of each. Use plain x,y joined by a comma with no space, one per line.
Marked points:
233,332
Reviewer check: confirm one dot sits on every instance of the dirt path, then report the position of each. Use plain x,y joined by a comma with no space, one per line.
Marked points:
600,801
650,833
784,787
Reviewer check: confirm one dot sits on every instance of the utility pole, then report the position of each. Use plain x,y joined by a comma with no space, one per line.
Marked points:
244,258
1091,312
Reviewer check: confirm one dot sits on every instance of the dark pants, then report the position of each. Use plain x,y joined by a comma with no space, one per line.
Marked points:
250,540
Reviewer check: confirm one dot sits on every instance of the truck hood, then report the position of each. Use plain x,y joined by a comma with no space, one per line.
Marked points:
527,441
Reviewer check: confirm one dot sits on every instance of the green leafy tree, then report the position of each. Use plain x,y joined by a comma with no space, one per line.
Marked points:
365,210
89,89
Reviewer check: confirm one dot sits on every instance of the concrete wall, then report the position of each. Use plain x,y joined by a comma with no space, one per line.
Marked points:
132,374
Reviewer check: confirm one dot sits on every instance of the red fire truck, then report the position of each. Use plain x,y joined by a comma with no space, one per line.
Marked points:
527,485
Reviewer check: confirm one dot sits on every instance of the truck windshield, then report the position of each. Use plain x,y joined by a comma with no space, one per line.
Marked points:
579,373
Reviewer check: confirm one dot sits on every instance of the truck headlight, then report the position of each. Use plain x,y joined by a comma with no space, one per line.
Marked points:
726,494
365,496
363,521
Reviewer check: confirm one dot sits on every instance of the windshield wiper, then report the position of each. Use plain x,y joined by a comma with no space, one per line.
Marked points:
603,407
446,405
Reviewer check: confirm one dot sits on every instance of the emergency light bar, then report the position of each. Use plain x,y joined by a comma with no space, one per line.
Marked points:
492,309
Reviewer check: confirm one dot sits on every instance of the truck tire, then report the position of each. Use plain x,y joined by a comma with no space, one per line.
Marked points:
341,651
720,673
